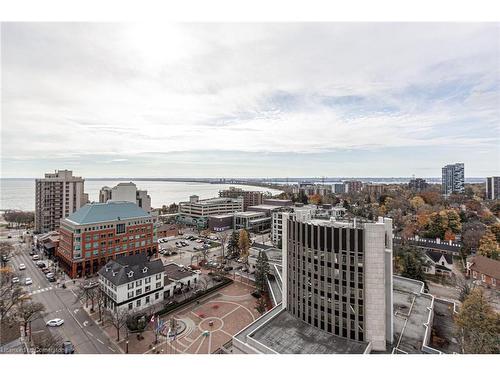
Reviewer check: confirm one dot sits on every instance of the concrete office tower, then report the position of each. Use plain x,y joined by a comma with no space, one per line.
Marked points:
126,192
337,276
57,195
453,180
492,188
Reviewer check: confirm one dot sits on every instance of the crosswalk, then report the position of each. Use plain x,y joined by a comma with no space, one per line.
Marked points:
40,290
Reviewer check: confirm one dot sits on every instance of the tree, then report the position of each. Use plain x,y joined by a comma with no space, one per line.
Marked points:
233,244
27,311
10,295
261,305
417,202
244,243
495,229
471,235
47,343
315,199
464,289
478,325
118,319
222,236
6,251
412,264
261,271
488,245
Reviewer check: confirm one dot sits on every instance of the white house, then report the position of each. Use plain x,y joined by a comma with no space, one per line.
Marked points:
438,263
132,282
177,278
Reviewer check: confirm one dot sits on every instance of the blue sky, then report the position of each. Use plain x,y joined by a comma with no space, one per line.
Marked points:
250,100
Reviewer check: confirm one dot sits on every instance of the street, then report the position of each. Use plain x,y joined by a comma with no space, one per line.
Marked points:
78,327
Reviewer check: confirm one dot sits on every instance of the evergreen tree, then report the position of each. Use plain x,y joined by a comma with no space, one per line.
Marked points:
412,264
261,271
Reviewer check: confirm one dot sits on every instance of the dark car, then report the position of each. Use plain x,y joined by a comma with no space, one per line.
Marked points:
67,347
41,265
46,270
256,294
228,268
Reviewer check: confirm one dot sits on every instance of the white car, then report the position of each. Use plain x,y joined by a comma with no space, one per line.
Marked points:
15,280
55,322
36,257
28,281
22,266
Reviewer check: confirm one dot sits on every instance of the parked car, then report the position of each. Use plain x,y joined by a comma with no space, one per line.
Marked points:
67,347
49,275
15,280
228,268
28,281
41,264
57,322
46,270
22,266
256,294
36,257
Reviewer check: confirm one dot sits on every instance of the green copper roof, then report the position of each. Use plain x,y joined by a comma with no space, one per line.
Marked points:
110,211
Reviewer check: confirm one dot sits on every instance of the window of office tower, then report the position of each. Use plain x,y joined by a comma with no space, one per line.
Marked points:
120,228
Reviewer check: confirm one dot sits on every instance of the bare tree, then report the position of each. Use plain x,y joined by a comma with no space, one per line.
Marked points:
6,251
27,311
118,318
47,343
87,292
10,294
222,236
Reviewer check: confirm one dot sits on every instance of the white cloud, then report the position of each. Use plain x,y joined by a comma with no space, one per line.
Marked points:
130,89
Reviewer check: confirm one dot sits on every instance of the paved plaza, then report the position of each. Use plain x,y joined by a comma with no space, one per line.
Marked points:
208,324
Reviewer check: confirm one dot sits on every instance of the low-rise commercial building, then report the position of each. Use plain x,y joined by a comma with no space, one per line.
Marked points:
203,208
132,282
253,221
100,232
220,223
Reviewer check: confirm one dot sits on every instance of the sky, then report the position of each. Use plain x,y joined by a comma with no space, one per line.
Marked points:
250,100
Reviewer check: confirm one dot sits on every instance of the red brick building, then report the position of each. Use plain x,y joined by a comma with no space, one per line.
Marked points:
100,232
485,270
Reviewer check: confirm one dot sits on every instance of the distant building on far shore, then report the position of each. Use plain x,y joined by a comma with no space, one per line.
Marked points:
250,198
418,184
353,186
493,187
453,180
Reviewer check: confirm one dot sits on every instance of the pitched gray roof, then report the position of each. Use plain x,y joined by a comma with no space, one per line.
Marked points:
102,212
436,255
118,271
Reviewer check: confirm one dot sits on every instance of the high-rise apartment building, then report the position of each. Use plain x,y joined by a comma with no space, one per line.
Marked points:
453,180
417,184
100,232
126,192
57,195
353,186
492,188
250,198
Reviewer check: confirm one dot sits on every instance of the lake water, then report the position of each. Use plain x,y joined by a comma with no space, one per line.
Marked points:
19,194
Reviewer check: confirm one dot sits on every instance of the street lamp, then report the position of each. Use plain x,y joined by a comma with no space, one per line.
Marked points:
126,350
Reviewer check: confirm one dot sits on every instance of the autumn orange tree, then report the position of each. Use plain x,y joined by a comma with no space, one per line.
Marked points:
488,245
